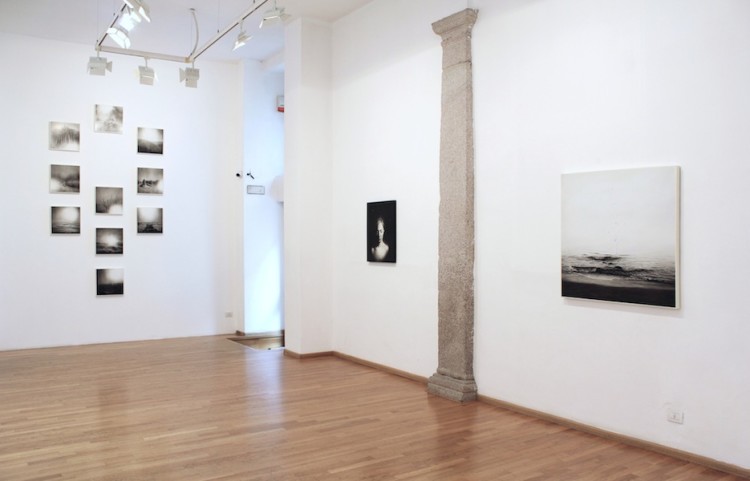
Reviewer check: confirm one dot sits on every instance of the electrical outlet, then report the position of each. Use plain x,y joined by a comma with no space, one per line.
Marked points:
675,416
228,315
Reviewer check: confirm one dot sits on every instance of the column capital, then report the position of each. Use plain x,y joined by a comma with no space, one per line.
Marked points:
457,25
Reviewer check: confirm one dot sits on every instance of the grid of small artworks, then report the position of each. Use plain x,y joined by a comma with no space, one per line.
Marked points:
65,179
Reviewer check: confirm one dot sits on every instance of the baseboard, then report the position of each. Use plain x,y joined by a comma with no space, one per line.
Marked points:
381,367
620,438
308,355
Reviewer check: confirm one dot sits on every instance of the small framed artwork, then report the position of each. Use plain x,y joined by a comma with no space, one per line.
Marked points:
150,181
66,220
65,136
64,179
110,282
109,200
381,231
108,119
109,240
620,235
150,141
150,220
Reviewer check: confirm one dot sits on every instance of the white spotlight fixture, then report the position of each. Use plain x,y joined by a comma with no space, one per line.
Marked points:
119,35
190,76
98,65
129,19
242,38
272,16
140,7
146,74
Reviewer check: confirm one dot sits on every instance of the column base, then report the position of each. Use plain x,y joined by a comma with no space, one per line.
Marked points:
459,390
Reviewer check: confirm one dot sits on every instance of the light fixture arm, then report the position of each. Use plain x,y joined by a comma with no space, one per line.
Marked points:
197,33
226,30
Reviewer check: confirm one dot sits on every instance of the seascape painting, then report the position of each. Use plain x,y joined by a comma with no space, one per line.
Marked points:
110,282
65,136
109,240
64,178
109,200
381,231
108,119
150,220
150,141
150,181
620,236
66,220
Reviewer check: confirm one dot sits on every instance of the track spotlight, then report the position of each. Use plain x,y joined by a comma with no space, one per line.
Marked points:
119,35
272,16
146,74
242,38
190,76
129,19
140,7
98,65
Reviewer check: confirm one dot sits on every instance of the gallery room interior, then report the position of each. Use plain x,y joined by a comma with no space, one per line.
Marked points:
146,225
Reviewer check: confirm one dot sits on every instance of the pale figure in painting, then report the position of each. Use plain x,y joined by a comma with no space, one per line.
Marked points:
380,251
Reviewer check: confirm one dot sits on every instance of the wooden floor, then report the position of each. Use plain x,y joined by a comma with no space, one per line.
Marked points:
211,409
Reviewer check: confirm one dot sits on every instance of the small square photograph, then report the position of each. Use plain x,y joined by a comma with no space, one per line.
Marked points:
150,220
109,200
110,282
150,181
109,240
64,178
66,220
65,136
381,231
108,119
150,141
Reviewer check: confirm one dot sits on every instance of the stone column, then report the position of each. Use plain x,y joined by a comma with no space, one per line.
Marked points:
454,378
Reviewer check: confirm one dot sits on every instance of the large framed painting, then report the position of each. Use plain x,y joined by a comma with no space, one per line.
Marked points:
620,235
381,231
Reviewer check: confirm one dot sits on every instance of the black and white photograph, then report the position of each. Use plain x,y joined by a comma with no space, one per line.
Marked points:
150,220
65,136
110,282
381,231
620,235
109,240
66,220
150,141
64,179
150,181
108,119
109,200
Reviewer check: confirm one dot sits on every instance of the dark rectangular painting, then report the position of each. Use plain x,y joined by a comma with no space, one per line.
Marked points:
381,231
64,178
109,200
150,141
150,181
108,119
109,240
150,220
620,235
66,220
110,282
64,136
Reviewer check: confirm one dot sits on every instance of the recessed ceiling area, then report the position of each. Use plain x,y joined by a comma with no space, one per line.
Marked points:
172,30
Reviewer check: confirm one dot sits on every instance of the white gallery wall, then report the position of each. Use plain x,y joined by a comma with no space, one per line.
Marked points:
184,282
559,87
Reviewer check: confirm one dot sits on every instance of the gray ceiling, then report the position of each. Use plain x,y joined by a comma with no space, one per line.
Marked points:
172,29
